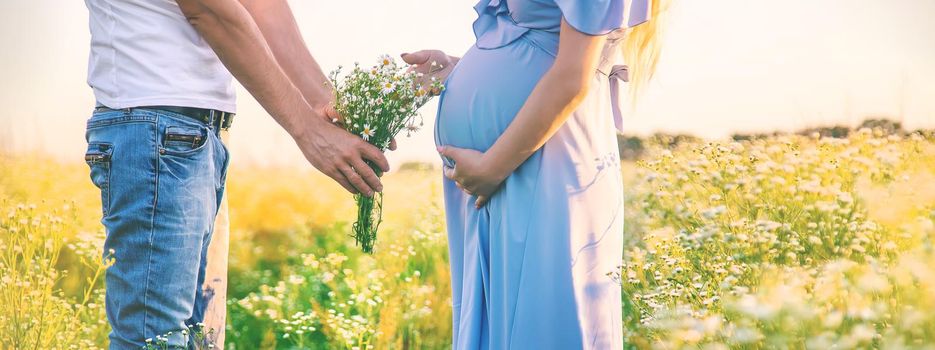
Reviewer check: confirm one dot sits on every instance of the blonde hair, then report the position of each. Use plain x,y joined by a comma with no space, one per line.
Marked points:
642,48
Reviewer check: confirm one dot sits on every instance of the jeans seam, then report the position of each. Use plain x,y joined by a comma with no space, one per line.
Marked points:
225,165
152,228
94,124
105,202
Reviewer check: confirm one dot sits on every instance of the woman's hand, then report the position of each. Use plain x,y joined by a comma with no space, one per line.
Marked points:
432,64
472,173
556,96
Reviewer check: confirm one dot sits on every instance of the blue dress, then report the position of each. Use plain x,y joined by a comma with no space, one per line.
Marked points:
530,269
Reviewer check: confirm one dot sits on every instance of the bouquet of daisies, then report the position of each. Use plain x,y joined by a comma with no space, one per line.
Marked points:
377,103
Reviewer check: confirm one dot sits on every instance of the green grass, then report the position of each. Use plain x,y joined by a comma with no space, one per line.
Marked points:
789,242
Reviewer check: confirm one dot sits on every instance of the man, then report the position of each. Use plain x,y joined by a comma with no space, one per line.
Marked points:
157,68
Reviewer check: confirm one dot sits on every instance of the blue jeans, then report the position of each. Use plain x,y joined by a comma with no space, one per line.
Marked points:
161,177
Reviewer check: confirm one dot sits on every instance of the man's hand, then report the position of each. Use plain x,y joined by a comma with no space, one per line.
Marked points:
341,155
332,116
432,64
234,35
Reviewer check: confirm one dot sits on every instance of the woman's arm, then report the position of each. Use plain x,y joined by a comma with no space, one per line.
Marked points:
551,102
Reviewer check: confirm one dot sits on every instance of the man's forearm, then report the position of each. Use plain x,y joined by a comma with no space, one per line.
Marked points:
277,23
231,32
235,37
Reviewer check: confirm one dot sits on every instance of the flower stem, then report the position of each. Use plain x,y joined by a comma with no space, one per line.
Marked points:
369,217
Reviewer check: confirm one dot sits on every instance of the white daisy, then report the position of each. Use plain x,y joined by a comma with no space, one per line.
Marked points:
385,60
388,87
368,132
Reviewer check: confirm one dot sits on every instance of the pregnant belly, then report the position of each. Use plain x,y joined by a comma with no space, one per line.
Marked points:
485,91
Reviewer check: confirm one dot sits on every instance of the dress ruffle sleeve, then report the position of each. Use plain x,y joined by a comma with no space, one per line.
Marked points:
493,27
599,17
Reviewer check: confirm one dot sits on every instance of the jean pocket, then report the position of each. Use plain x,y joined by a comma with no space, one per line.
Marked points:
183,140
98,157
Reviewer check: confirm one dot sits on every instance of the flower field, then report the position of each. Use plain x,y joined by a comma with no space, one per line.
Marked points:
785,242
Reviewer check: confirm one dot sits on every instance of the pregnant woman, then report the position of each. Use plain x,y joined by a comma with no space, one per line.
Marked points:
533,189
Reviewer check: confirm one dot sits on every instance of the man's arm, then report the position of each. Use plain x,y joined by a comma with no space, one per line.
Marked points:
275,20
235,37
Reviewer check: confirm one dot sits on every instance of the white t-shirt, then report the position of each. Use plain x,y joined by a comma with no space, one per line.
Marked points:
145,53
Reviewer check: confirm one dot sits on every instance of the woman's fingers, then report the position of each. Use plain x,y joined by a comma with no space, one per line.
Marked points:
481,201
450,173
461,187
450,152
416,58
431,64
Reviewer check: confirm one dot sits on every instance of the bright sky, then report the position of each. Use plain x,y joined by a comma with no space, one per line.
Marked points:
728,65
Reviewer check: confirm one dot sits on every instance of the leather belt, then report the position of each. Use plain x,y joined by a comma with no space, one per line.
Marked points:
217,118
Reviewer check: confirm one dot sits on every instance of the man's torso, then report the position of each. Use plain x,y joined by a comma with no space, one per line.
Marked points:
145,53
